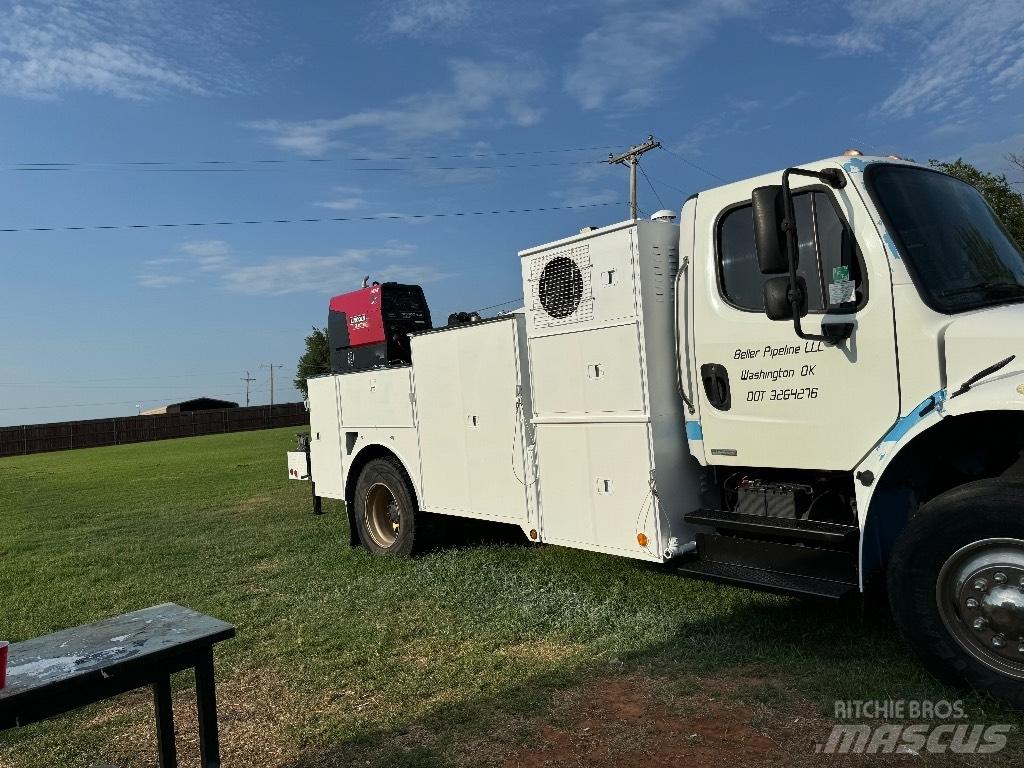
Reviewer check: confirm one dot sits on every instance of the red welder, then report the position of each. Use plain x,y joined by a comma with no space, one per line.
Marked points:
369,328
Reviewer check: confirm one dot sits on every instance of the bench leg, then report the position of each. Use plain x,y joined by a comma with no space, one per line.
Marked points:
164,723
206,697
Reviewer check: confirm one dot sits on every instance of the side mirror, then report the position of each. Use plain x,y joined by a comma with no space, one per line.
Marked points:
769,237
778,303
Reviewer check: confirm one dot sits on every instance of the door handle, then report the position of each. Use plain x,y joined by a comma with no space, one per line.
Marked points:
716,385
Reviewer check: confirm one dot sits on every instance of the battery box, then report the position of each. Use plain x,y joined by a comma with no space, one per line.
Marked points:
773,499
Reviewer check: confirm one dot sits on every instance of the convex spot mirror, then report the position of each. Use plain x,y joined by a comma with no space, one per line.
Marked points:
778,304
769,236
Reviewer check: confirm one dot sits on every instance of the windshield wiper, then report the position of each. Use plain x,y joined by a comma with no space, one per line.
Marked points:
1012,289
981,375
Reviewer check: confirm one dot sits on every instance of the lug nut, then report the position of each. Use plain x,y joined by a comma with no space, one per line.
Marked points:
981,585
1021,649
999,578
979,624
998,641
972,603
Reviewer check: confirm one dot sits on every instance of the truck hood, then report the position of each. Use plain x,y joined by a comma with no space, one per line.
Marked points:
975,341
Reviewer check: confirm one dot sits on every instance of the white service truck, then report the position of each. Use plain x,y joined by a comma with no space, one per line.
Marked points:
813,382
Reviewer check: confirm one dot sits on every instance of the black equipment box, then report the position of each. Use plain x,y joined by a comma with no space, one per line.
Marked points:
773,500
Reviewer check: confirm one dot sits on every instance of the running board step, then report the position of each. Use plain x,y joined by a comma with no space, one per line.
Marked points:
767,581
804,530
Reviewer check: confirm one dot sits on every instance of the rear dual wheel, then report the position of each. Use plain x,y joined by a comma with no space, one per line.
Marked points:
956,587
385,510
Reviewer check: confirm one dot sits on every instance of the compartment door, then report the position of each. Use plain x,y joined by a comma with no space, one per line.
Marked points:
466,385
325,437
595,487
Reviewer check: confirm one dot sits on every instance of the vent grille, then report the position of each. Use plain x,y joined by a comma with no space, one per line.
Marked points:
561,288
664,270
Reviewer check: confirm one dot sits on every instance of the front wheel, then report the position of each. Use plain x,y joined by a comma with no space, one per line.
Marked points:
956,587
385,510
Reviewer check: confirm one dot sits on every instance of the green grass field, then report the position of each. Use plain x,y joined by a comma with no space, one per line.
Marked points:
485,652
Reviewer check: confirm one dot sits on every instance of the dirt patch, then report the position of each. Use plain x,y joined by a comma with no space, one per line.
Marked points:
631,721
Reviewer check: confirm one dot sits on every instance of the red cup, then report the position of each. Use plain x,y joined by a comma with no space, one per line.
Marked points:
4,645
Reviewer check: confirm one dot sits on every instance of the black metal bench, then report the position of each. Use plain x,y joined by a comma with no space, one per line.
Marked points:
56,673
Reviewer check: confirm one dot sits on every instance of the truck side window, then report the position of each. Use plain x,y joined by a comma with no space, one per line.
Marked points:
825,243
838,249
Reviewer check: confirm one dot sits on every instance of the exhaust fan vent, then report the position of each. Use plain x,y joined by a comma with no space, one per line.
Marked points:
561,286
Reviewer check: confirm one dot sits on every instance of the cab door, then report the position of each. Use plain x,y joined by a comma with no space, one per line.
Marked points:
767,397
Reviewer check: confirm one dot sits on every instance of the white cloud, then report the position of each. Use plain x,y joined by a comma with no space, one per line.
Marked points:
131,49
850,42
151,280
326,274
345,199
961,53
496,91
209,255
202,259
425,18
624,60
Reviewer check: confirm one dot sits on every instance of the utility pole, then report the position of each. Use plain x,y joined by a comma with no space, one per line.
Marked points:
630,159
271,366
248,380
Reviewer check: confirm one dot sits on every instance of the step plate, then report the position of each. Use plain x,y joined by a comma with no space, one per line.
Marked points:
768,581
804,530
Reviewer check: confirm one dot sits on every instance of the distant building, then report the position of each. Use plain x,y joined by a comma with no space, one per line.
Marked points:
187,406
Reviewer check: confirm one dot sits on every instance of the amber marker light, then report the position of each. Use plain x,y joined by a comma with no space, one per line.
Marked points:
641,539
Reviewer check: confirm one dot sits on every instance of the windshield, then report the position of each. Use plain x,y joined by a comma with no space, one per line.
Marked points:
958,252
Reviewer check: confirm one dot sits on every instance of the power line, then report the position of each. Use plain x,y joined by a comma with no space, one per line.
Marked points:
660,201
378,217
356,169
669,186
55,166
693,164
499,304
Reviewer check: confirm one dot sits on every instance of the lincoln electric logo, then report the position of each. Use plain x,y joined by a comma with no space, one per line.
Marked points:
358,321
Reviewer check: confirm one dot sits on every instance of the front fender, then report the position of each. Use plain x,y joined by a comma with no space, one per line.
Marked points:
1000,393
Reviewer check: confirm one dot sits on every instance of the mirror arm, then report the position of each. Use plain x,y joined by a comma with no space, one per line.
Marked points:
832,333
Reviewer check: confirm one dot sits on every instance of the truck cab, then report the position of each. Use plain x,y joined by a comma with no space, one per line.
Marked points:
852,354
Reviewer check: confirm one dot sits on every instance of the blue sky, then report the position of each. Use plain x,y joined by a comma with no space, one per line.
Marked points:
733,87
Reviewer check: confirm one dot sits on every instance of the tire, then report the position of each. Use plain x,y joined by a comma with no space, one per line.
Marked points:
956,587
385,509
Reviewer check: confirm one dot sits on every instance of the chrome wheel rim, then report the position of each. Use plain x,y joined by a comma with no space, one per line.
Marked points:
980,594
382,515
